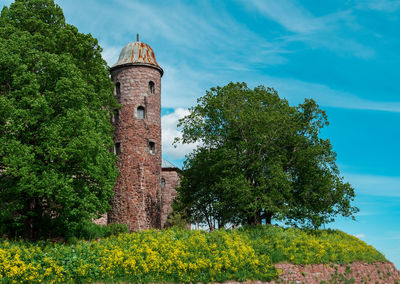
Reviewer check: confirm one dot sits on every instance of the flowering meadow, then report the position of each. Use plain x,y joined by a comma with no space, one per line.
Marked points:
178,256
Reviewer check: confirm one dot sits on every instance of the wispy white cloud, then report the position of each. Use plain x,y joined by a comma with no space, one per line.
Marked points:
295,91
374,185
170,132
325,31
196,50
110,53
199,50
212,38
360,236
367,213
290,15
380,5
182,85
335,42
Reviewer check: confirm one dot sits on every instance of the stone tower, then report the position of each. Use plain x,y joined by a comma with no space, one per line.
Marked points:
137,79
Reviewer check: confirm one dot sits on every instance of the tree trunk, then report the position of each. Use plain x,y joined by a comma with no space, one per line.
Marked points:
29,222
268,218
254,220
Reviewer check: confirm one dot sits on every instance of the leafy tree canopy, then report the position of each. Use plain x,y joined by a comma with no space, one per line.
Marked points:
259,159
56,168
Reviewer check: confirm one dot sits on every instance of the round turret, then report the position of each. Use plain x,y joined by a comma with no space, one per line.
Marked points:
137,138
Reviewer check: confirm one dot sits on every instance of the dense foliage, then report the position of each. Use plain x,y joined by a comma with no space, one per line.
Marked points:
259,158
56,168
178,256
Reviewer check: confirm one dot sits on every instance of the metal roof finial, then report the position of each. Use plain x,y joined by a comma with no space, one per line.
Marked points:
137,37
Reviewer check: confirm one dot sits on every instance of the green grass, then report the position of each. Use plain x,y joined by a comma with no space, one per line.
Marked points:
178,255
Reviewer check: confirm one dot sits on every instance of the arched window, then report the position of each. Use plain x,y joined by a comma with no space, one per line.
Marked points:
152,147
162,183
118,89
151,87
140,113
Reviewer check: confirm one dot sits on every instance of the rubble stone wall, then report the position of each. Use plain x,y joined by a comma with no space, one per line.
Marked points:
356,272
168,193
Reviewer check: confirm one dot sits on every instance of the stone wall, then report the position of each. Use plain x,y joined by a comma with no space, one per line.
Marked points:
170,175
356,272
137,198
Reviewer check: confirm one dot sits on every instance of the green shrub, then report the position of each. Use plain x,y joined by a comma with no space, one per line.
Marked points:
177,220
72,240
114,229
92,231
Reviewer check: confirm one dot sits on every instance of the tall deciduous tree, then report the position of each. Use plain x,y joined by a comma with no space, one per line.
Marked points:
259,159
56,168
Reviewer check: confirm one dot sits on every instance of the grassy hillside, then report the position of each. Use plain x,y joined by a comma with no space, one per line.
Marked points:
179,256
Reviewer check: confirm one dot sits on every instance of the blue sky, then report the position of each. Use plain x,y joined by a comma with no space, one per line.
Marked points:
344,54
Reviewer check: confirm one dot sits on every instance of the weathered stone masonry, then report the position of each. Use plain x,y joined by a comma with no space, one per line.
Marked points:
169,183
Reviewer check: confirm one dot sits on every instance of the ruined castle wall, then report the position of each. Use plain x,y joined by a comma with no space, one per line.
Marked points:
137,198
168,193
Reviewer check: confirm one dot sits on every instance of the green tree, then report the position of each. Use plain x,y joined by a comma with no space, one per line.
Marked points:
259,159
56,168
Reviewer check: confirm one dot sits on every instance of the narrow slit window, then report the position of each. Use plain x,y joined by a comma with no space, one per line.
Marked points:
152,147
162,182
116,117
118,89
151,87
117,148
141,113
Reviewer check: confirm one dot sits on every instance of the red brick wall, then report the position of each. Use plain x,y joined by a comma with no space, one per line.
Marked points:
137,199
168,193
